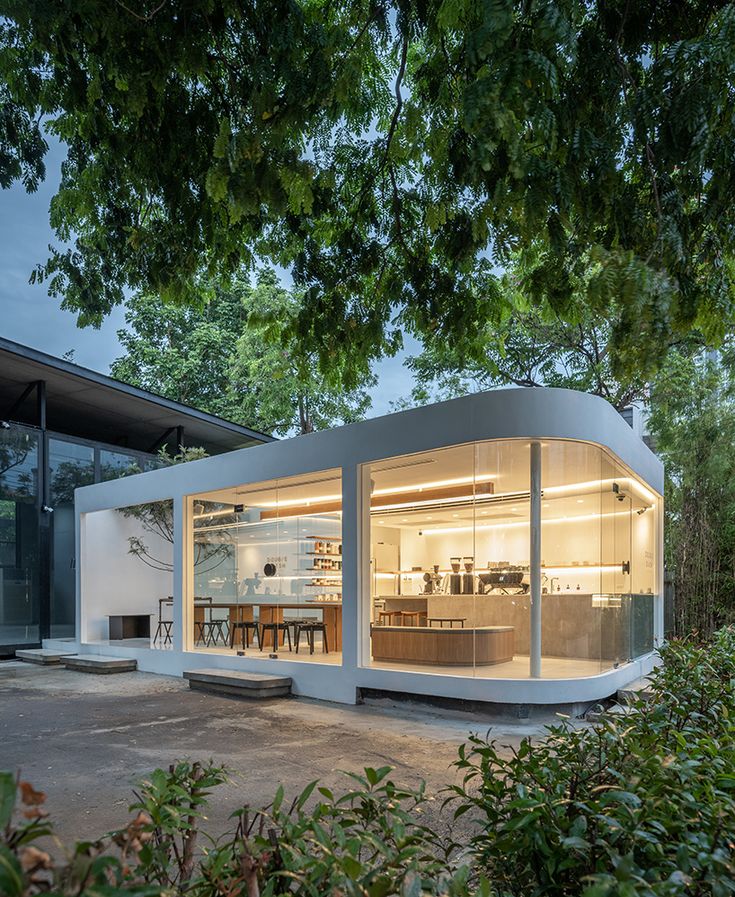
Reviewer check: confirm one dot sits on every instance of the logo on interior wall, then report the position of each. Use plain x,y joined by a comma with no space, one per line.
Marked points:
274,564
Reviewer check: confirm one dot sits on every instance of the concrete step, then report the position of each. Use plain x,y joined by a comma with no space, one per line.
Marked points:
239,683
42,655
99,663
16,669
639,688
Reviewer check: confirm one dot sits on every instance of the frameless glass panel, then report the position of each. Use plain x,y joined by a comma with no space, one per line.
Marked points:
572,569
70,465
267,568
120,464
422,561
502,554
19,537
449,560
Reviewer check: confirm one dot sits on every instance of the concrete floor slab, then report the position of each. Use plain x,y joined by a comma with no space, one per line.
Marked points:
86,740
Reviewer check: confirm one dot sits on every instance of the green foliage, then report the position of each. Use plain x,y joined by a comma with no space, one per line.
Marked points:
234,357
693,424
640,805
391,155
161,841
532,347
183,352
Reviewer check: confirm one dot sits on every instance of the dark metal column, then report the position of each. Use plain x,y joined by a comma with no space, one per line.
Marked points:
45,535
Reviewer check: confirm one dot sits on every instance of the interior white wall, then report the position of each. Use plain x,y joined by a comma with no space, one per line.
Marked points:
114,581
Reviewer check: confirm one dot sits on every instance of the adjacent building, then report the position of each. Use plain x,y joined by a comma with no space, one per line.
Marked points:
61,427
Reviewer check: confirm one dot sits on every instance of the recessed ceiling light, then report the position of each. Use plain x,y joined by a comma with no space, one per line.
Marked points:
580,501
381,521
404,519
514,509
483,512
455,515
429,518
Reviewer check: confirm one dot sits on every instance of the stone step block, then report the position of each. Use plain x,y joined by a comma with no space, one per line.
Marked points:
42,655
239,683
99,663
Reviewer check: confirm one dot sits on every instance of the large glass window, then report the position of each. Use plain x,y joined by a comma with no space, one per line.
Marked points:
114,465
70,465
19,537
449,534
450,561
267,569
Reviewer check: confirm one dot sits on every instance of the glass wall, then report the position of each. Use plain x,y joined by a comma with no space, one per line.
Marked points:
450,561
267,568
70,465
114,465
19,536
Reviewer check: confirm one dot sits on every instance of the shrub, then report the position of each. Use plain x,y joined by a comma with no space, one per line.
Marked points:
367,842
638,805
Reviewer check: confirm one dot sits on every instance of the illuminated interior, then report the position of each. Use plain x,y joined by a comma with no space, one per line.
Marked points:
267,569
449,574
450,561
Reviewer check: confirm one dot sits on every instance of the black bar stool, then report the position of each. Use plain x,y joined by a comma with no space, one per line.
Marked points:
309,628
246,627
275,628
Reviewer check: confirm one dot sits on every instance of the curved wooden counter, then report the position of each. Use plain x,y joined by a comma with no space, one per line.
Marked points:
482,645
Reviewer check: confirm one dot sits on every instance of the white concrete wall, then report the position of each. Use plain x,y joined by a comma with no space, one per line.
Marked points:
115,581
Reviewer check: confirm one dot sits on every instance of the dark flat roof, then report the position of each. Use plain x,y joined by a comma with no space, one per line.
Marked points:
80,402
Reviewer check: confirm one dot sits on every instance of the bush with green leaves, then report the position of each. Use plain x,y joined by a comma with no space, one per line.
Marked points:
638,805
367,841
641,804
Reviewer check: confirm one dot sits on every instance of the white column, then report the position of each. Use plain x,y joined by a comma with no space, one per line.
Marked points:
535,651
355,533
182,574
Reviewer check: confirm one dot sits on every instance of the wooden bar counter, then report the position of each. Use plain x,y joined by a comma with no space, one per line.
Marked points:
482,645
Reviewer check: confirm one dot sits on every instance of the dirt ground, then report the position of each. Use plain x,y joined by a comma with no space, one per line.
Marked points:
86,739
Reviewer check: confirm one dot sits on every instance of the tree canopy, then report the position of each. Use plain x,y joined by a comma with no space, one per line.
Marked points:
392,155
235,358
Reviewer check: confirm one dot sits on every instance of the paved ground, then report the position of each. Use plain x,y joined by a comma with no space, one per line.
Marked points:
85,739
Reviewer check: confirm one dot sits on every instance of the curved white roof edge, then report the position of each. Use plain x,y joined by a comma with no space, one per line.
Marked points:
512,413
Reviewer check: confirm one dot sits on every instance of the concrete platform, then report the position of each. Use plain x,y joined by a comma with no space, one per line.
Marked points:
42,655
99,663
240,684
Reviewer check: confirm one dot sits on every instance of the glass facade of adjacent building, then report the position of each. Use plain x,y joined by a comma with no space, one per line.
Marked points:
39,472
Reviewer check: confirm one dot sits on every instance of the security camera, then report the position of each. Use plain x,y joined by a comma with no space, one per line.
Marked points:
47,510
5,425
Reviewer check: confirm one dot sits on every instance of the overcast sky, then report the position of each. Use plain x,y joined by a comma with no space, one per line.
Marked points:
28,315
